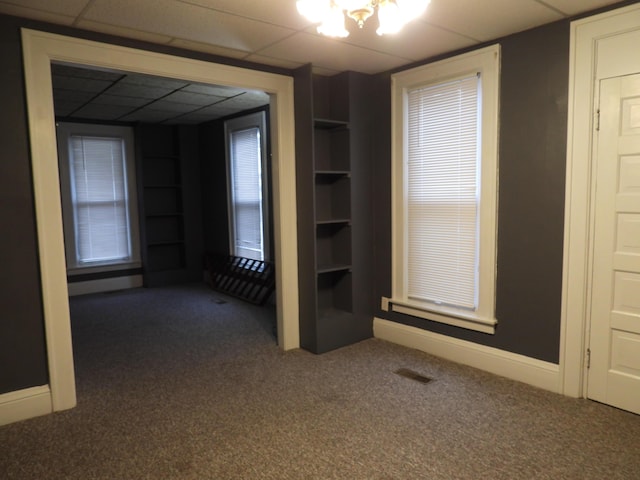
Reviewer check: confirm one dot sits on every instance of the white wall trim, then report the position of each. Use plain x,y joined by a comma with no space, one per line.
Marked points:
584,76
24,404
104,285
39,50
499,362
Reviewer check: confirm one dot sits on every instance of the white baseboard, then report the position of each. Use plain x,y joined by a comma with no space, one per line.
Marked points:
24,404
499,362
104,285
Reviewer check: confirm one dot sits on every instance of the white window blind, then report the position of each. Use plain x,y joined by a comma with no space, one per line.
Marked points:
443,193
246,179
99,198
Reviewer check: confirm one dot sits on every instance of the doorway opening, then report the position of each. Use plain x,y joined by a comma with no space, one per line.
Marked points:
40,50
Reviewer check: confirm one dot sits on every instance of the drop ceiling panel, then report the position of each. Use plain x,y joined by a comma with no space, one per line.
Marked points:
66,7
154,82
193,99
573,7
136,34
61,70
207,48
149,116
106,99
417,40
80,84
186,21
274,62
215,90
60,94
488,20
276,12
102,112
173,107
142,91
64,108
44,16
332,54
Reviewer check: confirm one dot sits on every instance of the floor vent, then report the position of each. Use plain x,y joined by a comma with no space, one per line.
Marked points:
410,374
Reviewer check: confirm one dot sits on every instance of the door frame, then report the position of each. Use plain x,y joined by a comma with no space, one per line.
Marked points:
39,50
590,39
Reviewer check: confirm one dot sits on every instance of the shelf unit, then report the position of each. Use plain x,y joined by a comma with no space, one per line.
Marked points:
329,317
164,159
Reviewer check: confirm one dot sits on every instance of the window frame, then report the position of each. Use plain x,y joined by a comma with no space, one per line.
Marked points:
486,62
64,131
245,122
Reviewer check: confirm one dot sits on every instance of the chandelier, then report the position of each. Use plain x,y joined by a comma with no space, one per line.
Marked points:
332,14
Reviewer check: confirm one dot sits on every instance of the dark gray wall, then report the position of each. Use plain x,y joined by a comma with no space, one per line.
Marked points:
22,346
214,187
533,116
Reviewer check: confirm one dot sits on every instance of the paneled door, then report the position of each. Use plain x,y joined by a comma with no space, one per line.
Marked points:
614,373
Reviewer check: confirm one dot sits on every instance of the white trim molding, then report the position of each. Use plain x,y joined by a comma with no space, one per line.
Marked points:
24,404
39,50
517,367
596,43
485,62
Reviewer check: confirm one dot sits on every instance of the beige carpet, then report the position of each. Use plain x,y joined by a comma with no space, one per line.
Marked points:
184,383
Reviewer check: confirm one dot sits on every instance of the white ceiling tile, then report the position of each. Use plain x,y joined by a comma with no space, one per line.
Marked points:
154,82
66,7
103,112
573,7
69,71
329,53
216,90
71,95
120,31
274,62
207,48
190,22
166,106
44,16
148,115
191,98
79,84
488,19
416,41
276,12
141,91
218,110
64,108
106,99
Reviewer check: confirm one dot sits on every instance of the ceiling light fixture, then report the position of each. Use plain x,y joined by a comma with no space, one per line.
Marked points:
332,14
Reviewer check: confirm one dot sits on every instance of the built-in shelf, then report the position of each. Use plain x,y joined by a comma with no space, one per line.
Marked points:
329,124
327,115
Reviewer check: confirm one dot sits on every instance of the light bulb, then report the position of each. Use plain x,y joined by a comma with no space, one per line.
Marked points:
390,18
314,10
411,9
333,23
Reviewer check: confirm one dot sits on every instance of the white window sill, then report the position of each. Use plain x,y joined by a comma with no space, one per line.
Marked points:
444,315
102,267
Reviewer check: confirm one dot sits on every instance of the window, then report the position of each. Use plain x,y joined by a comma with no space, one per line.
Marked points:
98,192
445,190
246,167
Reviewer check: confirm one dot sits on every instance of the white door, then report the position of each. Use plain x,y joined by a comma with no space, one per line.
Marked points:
614,373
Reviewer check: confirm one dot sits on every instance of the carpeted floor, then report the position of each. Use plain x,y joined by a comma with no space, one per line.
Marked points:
184,383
